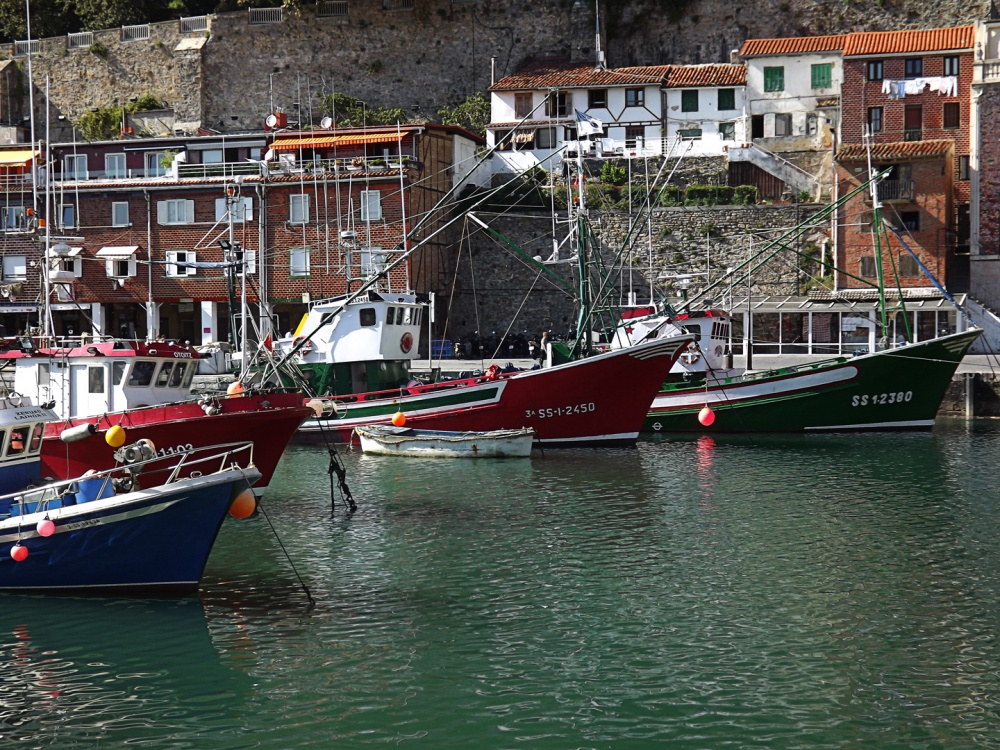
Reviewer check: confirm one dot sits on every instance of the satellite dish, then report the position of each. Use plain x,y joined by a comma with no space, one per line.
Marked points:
271,121
326,122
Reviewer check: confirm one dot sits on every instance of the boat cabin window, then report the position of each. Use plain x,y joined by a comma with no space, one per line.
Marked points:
163,377
408,316
389,319
18,436
367,316
95,380
118,372
43,374
36,438
399,316
142,373
177,376
694,330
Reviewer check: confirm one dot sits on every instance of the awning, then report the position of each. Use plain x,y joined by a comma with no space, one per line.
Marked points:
71,253
294,144
20,157
238,143
330,141
117,251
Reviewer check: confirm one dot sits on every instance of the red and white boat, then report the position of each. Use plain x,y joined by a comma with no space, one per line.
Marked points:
598,400
144,388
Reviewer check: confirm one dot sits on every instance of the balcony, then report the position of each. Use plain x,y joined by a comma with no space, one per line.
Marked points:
896,190
913,134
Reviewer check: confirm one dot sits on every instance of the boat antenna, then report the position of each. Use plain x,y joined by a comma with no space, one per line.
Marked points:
31,116
597,47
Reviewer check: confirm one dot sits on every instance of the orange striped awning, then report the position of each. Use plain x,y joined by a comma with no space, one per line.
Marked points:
294,144
330,141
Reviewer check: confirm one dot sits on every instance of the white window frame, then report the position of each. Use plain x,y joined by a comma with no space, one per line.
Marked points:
371,205
114,166
298,262
15,217
152,162
117,208
213,156
68,263
112,268
175,211
65,208
242,210
184,256
298,208
15,267
75,167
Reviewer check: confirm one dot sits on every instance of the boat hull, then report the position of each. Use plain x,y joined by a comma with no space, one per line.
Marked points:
896,389
269,420
156,539
601,400
410,443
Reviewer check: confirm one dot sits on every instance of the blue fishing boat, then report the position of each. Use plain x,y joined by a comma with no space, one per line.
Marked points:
148,524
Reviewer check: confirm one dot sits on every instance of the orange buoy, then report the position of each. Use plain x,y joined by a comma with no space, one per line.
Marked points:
235,390
244,505
115,437
398,419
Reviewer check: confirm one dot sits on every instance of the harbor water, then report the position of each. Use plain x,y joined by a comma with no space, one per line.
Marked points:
826,591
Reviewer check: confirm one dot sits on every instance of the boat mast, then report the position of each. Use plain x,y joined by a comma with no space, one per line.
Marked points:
877,230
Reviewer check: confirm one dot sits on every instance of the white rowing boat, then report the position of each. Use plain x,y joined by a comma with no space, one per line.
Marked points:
386,440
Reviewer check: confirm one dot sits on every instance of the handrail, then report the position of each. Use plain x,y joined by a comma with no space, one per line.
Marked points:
787,163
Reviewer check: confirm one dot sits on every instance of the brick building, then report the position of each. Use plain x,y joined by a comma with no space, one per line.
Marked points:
911,91
142,231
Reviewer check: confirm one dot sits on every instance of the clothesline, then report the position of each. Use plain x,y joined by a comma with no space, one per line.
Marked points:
943,85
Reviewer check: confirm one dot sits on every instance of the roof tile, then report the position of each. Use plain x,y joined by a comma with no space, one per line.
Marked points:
898,42
706,75
792,45
550,74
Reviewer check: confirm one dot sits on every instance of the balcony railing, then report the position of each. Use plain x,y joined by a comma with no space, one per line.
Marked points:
138,33
262,16
80,40
194,25
225,169
913,134
332,8
896,190
23,48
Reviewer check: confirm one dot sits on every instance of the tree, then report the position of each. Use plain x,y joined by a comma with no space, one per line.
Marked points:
472,114
104,123
348,111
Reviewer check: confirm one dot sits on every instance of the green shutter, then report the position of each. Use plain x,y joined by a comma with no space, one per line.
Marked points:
727,99
821,75
689,100
774,79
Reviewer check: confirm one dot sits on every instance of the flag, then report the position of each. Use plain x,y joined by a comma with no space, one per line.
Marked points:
587,125
268,343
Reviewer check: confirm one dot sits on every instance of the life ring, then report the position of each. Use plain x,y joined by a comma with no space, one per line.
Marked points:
691,355
15,398
306,347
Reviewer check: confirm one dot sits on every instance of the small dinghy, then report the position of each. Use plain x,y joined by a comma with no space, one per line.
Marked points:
386,440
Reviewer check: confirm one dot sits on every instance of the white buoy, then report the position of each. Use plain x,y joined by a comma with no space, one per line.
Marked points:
81,431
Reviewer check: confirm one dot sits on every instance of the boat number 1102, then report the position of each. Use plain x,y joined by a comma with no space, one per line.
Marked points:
878,399
560,411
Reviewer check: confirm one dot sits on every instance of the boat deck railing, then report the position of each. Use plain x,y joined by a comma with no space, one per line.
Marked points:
165,467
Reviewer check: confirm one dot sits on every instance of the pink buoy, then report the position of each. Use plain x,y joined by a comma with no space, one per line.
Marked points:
706,416
45,528
19,553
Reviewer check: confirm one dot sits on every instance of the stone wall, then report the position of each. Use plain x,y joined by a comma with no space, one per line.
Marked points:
495,288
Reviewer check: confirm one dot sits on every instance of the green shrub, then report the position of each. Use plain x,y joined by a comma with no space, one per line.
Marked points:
99,49
613,174
708,195
671,196
745,195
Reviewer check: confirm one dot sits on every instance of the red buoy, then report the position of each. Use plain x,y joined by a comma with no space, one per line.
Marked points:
706,416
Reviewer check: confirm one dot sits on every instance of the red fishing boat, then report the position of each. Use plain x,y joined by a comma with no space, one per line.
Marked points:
597,400
143,389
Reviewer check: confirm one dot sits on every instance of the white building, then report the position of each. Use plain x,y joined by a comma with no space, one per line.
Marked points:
706,105
793,89
534,112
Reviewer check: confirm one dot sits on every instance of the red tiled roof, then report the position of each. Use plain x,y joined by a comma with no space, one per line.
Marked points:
900,150
899,42
706,75
792,45
550,74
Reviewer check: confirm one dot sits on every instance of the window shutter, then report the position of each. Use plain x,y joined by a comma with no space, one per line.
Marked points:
190,257
220,209
188,212
161,212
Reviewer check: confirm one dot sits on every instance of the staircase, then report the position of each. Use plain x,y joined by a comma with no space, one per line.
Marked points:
794,177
